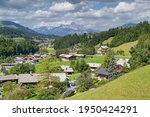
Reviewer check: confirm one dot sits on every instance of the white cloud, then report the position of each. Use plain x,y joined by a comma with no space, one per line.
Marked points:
40,13
62,7
80,12
125,7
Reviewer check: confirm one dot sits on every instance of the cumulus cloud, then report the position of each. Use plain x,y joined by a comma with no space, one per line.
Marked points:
125,7
57,12
78,1
62,7
20,4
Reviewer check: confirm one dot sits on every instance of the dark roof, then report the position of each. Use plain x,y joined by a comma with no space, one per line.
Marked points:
68,93
103,71
8,64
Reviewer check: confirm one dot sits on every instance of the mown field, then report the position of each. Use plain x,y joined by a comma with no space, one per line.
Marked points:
132,86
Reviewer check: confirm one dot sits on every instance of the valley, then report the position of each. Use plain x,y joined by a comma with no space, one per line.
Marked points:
105,65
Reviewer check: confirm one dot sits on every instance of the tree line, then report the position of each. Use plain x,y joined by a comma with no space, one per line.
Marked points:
121,35
10,47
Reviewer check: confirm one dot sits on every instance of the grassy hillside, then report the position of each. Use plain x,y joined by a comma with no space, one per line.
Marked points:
108,41
134,85
126,47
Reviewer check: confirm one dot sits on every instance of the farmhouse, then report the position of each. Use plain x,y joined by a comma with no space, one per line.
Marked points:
103,49
122,63
77,56
7,66
66,57
68,93
12,78
19,60
24,79
21,78
94,66
103,73
67,69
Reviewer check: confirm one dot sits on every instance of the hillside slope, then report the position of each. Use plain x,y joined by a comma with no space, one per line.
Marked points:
108,41
19,27
134,85
125,47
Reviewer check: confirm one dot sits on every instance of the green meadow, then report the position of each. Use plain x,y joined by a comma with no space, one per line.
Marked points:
131,86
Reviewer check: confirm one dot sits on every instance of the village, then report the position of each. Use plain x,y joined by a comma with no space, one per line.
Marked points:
67,71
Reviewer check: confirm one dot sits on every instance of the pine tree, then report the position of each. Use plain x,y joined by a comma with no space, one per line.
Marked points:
112,67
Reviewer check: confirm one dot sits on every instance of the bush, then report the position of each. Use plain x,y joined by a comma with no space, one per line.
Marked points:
49,94
22,69
18,94
84,82
87,51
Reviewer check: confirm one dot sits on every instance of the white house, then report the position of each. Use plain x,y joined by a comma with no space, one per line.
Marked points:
67,69
103,49
123,62
94,66
66,57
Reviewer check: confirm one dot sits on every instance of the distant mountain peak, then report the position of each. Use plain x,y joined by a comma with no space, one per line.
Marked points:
64,29
128,25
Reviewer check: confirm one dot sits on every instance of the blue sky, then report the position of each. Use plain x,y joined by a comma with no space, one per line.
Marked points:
96,14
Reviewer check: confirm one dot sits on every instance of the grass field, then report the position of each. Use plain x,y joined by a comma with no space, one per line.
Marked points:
132,86
108,41
125,47
59,63
51,50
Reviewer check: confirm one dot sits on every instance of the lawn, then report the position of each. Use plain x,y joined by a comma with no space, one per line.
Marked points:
131,86
125,47
58,62
95,59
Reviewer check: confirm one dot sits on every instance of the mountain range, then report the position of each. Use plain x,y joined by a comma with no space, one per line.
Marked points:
128,25
9,29
16,26
48,30
64,29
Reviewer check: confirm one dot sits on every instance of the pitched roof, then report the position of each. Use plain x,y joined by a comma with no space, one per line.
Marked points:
123,62
28,78
65,55
67,69
8,64
61,76
95,65
8,77
68,93
103,71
